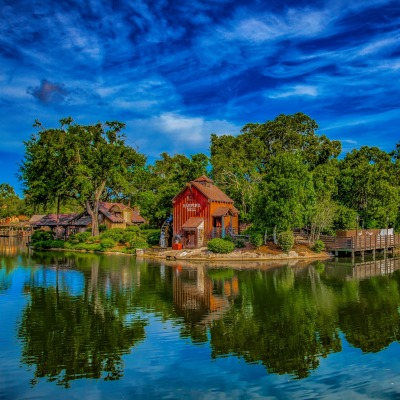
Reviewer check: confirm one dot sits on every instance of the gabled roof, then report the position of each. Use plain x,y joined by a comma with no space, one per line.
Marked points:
205,185
193,222
104,209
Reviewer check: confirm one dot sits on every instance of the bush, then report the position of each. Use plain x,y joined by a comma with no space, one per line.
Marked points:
286,240
115,234
240,243
153,236
80,237
87,246
256,239
93,239
220,246
49,244
138,243
106,244
228,238
319,246
102,227
40,236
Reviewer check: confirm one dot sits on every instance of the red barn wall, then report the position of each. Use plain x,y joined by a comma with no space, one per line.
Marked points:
192,203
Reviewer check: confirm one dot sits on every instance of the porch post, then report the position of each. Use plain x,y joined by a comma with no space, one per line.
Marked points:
223,227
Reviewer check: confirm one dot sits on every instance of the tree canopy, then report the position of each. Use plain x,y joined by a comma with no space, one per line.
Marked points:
77,161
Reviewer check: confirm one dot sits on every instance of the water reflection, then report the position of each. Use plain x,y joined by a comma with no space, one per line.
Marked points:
85,312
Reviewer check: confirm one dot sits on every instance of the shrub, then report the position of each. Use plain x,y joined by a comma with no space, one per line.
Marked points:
87,246
93,239
152,236
138,243
133,228
115,234
102,227
106,244
286,240
240,243
49,244
228,238
256,239
220,246
40,236
319,246
80,237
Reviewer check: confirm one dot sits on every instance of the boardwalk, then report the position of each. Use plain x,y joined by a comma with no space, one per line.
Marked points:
361,244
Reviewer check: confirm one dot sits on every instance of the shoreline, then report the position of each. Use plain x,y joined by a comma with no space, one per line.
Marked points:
204,255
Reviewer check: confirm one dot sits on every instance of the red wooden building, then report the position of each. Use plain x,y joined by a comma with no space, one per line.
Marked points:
202,211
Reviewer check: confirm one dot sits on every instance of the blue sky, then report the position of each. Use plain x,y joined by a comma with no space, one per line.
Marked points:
177,71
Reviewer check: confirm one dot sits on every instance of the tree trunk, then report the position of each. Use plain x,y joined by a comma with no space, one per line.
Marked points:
274,236
94,213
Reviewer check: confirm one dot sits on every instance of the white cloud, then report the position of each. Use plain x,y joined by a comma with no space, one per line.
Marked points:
297,90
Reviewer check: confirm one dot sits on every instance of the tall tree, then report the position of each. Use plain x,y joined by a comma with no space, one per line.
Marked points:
368,184
77,161
286,195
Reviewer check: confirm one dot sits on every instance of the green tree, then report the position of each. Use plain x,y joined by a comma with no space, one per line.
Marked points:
286,195
10,203
368,184
236,163
77,161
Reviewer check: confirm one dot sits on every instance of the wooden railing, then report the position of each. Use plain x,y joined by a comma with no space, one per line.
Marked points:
361,243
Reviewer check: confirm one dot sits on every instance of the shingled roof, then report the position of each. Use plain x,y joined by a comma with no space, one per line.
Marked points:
51,220
206,186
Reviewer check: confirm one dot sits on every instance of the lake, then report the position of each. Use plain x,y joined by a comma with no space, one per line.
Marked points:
88,326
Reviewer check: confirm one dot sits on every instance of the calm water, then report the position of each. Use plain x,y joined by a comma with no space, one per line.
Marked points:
82,326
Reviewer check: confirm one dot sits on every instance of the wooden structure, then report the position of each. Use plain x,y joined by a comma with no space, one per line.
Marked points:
15,226
201,211
360,241
113,215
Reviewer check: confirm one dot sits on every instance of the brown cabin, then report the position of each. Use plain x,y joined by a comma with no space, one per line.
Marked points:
201,211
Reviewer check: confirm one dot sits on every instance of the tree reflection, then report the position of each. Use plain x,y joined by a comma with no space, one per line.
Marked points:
280,322
68,337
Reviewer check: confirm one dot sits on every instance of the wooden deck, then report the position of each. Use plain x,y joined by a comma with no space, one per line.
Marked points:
361,243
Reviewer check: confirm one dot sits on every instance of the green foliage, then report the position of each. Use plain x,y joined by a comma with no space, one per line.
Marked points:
286,196
106,244
49,244
138,243
256,239
102,227
40,236
318,246
116,234
10,203
87,246
153,236
78,161
240,243
286,240
79,237
218,245
93,239
228,238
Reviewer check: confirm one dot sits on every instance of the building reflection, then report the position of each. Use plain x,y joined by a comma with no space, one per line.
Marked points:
199,296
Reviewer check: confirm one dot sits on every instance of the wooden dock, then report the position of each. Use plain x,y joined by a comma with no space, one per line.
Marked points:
361,244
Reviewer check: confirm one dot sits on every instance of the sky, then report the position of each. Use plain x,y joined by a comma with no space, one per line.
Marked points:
176,71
